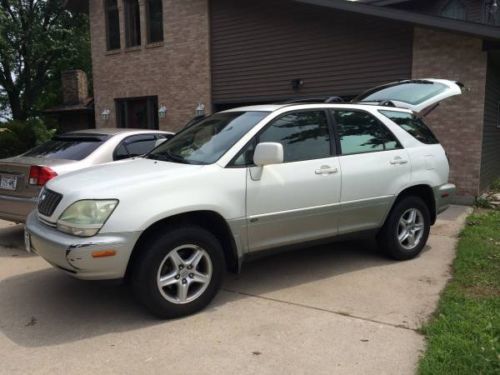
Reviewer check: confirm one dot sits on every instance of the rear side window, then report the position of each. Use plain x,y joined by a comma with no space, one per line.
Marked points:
360,132
136,145
413,125
68,148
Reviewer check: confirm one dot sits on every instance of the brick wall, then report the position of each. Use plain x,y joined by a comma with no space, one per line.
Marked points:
74,86
177,70
457,122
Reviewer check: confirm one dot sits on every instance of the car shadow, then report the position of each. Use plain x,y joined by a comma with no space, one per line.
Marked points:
47,307
12,241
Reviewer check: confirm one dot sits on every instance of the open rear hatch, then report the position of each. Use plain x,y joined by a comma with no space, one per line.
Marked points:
418,95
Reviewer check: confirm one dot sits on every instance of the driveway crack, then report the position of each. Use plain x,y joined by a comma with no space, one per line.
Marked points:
339,313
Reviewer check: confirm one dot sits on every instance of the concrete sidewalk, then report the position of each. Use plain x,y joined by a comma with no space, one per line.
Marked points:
336,309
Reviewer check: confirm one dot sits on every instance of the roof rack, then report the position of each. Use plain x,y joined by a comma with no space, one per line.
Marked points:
381,103
328,99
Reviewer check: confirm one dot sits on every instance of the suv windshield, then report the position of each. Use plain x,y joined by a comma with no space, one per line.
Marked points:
67,147
206,141
413,125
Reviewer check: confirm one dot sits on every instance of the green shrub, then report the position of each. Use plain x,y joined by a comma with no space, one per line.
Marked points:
17,137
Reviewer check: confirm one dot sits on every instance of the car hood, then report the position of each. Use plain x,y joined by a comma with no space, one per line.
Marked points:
107,180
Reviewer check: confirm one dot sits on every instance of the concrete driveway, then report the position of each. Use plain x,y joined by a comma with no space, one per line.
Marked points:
336,309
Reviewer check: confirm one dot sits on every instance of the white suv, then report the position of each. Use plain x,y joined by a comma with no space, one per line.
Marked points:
245,181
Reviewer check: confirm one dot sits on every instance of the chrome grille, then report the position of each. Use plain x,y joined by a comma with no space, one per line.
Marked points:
48,201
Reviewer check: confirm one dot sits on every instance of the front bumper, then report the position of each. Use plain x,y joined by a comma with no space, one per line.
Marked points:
444,195
16,208
74,254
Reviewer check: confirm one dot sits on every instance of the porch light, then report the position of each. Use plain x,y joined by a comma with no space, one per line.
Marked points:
200,110
105,114
162,112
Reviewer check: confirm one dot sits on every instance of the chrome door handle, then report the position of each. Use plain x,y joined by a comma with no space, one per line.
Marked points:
398,160
325,169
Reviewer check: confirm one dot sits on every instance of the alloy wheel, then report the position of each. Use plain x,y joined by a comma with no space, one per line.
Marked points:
410,229
184,274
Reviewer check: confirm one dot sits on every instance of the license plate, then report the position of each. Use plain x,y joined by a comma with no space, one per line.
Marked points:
8,183
27,241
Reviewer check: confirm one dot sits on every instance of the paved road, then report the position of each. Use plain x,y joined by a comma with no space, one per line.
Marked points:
336,309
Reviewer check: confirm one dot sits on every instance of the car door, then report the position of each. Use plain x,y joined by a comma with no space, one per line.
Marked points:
297,200
374,167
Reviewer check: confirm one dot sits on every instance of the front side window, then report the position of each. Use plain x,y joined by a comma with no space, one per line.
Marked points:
413,125
304,135
206,141
360,132
132,23
154,9
112,25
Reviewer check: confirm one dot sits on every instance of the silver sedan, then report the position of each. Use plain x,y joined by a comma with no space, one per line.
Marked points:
21,177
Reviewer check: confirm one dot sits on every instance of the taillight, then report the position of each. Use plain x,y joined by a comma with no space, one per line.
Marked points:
41,175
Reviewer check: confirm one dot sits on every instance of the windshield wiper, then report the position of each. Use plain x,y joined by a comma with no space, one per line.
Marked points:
168,156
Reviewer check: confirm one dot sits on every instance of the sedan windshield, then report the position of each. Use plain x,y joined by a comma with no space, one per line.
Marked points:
206,141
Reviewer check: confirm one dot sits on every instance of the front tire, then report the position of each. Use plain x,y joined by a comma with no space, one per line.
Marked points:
406,230
179,272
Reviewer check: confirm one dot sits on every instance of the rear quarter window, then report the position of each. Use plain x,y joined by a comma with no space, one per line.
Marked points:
413,125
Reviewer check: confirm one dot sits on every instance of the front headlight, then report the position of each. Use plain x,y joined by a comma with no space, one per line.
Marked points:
86,217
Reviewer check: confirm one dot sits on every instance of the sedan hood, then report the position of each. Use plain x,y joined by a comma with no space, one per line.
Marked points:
107,180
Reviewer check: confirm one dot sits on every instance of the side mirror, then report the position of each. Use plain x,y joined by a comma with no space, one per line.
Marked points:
268,153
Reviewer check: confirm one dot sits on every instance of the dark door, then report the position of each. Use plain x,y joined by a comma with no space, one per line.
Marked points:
139,113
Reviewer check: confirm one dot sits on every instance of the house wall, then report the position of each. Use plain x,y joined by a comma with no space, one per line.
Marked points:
490,162
458,121
260,46
176,70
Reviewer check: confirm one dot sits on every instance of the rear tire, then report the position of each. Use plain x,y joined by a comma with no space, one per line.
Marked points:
179,272
406,230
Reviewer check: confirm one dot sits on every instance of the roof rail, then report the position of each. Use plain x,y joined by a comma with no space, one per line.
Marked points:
328,99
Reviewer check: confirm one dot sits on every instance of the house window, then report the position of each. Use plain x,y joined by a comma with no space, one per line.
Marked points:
454,9
139,113
132,23
112,25
154,11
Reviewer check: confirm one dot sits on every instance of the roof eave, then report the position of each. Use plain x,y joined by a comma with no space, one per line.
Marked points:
447,24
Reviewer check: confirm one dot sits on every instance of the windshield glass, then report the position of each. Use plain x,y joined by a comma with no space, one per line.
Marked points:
407,92
69,148
206,141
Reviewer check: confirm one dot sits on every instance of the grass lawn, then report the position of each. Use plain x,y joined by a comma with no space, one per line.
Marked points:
464,335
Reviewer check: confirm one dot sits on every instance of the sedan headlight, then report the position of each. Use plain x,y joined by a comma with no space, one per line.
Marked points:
86,217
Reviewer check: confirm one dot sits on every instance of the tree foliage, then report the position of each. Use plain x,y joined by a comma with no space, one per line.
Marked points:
38,40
